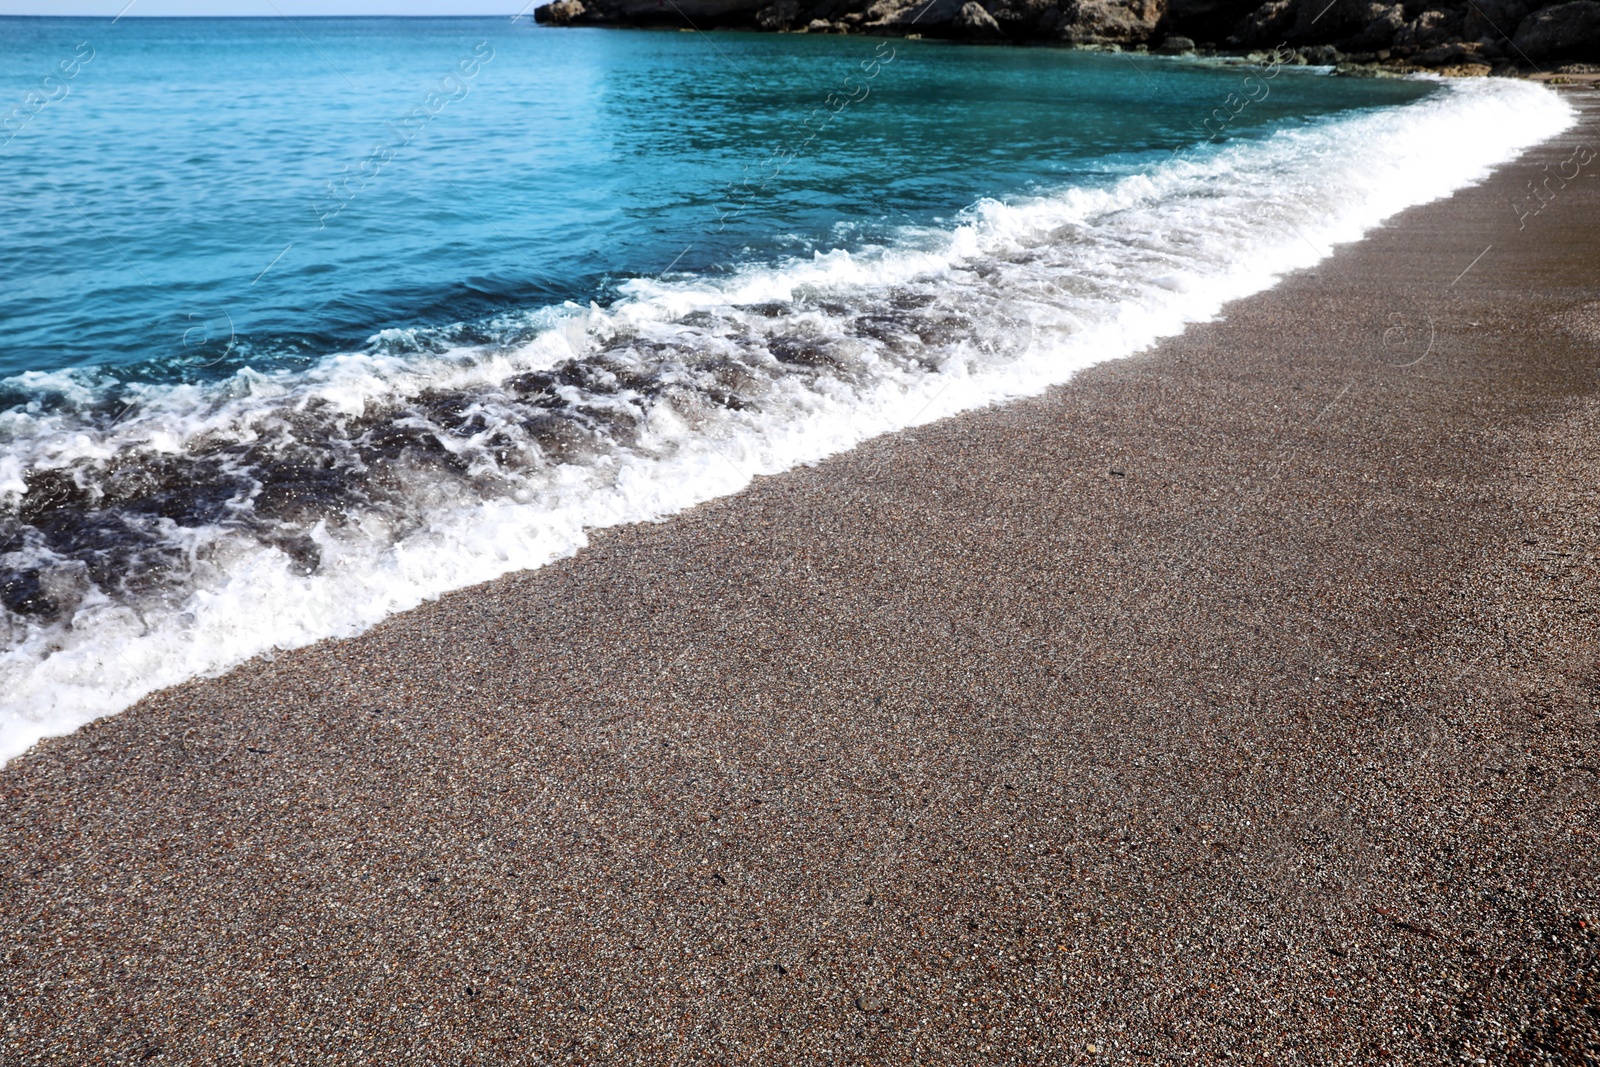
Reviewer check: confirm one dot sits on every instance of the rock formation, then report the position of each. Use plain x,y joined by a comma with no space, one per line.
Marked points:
1466,36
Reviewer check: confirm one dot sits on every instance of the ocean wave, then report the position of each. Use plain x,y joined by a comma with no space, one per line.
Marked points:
151,533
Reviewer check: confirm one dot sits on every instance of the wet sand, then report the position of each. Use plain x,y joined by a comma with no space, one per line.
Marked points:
1232,703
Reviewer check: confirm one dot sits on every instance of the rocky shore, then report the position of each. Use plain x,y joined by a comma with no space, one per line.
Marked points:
1463,38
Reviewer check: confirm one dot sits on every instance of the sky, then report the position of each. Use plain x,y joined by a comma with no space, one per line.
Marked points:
265,8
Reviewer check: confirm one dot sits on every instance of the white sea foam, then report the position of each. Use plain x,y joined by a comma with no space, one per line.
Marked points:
1016,298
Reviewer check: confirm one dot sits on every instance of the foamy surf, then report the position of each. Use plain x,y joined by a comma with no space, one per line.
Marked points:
158,533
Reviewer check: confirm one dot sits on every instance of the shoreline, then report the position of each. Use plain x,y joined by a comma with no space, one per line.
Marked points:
1232,699
1322,186
1449,57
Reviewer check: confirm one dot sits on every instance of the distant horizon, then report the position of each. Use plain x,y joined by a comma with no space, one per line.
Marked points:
268,9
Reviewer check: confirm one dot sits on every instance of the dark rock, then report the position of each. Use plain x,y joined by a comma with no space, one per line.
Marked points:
1025,18
1206,20
1303,21
1493,18
703,13
778,16
1443,55
1426,30
1564,29
1383,22
1267,24
1436,34
973,22
1322,21
560,13
1121,22
903,14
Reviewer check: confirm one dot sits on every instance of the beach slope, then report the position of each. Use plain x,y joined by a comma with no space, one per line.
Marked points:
1234,700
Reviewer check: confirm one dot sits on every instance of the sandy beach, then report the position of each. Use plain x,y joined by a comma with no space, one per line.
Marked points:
1236,702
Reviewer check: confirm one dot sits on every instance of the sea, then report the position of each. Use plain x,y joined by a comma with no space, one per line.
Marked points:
305,322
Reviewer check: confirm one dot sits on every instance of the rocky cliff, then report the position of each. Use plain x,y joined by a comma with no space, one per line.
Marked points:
1472,36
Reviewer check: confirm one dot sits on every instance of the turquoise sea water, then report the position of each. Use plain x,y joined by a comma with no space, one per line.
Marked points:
145,206
302,323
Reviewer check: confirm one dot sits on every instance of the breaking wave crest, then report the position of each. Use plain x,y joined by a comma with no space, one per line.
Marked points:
153,533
